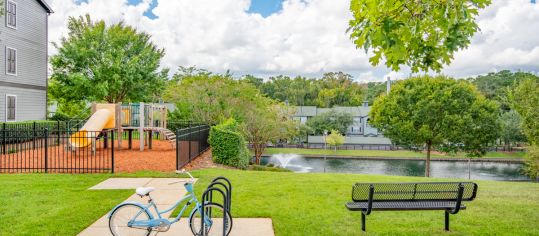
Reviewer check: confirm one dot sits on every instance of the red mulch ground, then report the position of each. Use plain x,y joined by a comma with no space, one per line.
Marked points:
162,157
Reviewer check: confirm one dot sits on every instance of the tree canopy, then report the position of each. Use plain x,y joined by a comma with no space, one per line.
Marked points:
497,85
423,35
332,89
437,112
331,120
210,98
96,62
525,100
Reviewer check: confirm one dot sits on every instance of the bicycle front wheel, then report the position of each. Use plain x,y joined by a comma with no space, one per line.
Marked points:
119,222
214,219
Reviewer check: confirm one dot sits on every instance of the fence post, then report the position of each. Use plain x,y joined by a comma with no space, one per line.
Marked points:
177,149
112,150
34,136
4,143
46,149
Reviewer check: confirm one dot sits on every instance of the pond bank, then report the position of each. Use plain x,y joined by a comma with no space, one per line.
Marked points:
481,159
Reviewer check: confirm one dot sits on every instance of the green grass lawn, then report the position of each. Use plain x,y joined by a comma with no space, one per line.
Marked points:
299,204
382,153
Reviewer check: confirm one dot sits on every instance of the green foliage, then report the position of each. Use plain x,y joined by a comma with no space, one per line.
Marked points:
375,89
335,139
525,100
71,109
496,86
333,89
208,98
266,121
423,35
228,145
510,131
437,111
331,120
96,62
531,168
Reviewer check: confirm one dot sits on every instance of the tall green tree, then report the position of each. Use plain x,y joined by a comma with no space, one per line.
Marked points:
437,112
423,35
96,62
525,100
510,131
266,121
209,98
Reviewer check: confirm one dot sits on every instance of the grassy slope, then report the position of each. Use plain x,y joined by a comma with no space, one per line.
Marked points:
381,153
299,204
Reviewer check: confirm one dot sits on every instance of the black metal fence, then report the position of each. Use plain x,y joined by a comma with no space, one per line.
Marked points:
40,149
190,143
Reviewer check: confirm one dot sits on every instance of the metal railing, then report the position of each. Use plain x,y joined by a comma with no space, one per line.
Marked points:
24,150
190,143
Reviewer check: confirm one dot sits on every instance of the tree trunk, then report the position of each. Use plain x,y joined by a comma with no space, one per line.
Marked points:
259,150
427,162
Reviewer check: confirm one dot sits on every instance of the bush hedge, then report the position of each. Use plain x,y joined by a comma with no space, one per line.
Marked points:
228,145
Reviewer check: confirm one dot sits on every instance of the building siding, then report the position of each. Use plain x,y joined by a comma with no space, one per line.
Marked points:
31,104
30,41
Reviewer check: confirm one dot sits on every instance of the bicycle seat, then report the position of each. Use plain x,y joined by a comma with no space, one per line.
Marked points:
143,191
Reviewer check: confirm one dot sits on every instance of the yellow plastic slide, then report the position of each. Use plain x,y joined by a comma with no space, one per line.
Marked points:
101,119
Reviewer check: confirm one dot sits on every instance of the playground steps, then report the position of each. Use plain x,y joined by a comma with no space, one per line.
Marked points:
169,135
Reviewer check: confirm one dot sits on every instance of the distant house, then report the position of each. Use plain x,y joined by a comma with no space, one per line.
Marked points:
360,133
23,73
360,114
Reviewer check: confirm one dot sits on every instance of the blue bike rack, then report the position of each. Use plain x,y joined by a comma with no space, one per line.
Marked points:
223,187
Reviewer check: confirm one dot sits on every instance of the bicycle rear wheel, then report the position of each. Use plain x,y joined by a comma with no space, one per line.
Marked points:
119,219
215,219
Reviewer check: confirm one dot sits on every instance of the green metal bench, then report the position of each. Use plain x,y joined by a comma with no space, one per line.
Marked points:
446,196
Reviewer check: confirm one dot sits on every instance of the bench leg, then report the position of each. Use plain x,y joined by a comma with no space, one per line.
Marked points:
446,221
362,221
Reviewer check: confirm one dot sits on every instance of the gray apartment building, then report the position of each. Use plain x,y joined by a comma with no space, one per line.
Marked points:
23,73
359,133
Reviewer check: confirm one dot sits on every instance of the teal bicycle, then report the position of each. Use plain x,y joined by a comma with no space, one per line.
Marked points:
133,218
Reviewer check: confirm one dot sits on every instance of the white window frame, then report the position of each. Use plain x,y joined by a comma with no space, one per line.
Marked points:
7,108
16,61
16,13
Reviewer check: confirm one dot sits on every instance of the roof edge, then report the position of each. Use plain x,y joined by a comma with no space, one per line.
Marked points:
46,6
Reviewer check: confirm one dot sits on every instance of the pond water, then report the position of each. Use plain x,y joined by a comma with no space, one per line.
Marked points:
441,169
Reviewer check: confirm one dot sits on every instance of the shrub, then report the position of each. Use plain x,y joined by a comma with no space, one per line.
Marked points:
531,168
228,145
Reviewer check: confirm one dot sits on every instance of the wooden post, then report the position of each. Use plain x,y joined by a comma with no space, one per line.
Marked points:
119,124
141,126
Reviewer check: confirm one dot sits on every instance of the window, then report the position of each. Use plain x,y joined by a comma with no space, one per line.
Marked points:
11,107
11,14
11,61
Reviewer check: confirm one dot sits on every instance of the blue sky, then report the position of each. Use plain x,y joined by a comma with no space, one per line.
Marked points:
263,7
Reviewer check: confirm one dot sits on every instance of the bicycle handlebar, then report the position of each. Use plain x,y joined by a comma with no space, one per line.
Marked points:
183,171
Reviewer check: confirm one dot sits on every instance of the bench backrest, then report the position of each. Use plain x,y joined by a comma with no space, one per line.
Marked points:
427,191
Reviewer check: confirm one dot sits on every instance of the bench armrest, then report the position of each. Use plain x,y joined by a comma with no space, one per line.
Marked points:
458,200
369,202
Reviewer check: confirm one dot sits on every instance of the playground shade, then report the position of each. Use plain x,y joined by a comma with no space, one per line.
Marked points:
101,119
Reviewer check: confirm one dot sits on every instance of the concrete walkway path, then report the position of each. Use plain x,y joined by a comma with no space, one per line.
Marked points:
165,195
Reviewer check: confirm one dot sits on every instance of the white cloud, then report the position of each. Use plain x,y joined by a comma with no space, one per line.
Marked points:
307,37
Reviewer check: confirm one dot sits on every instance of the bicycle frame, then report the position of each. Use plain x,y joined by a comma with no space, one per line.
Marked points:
154,222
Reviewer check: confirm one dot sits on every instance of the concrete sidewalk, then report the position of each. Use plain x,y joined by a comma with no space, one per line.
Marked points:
165,195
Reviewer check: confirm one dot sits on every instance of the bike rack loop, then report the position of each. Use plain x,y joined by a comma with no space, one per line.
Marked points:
209,191
228,189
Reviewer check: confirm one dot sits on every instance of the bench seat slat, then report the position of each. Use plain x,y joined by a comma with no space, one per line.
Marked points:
403,205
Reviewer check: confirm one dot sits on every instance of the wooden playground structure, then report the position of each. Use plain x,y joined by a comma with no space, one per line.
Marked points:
146,119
